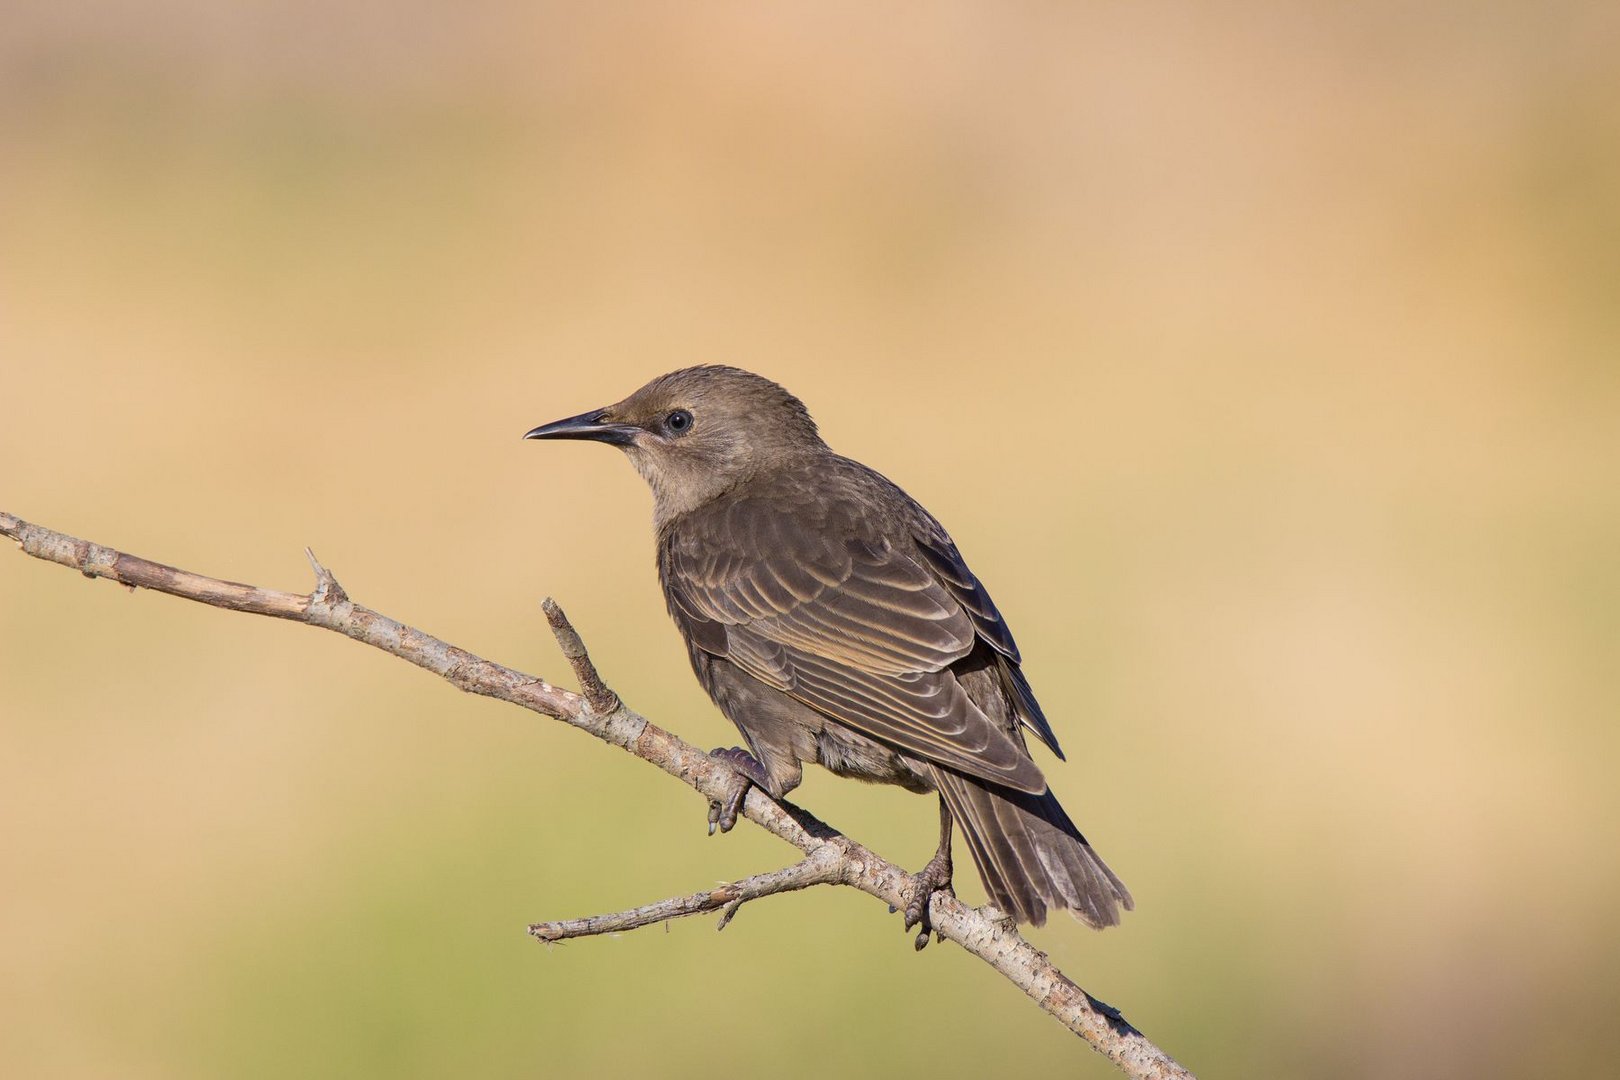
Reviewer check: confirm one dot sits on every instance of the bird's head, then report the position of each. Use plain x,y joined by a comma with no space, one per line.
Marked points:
696,433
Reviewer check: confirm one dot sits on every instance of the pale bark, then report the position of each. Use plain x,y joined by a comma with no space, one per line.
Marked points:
831,858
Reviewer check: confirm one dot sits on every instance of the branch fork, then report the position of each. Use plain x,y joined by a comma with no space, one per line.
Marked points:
830,858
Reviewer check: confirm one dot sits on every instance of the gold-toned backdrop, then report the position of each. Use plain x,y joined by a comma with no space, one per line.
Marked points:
1264,361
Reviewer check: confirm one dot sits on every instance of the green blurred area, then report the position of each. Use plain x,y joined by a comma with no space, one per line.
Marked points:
1265,362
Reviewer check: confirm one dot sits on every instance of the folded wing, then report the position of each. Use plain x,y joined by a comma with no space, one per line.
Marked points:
859,629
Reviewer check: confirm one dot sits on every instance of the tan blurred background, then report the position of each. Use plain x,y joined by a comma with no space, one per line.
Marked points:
1265,361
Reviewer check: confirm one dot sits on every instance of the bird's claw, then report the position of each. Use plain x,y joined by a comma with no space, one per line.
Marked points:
931,879
747,772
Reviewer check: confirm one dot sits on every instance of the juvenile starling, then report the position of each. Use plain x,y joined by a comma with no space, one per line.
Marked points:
833,620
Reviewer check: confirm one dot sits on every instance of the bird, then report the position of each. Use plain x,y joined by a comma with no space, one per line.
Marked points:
834,621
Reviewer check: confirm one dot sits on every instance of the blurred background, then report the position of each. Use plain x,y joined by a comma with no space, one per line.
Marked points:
1264,361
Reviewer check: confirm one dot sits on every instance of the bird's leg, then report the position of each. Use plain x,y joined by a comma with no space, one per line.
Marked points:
748,772
935,877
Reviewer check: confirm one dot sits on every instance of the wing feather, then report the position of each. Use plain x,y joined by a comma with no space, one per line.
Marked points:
943,558
861,631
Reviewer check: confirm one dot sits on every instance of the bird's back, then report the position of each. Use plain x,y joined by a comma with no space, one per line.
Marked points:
828,582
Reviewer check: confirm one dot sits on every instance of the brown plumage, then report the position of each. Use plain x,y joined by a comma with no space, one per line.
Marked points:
833,620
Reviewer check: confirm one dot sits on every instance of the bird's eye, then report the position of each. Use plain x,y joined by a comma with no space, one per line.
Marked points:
678,422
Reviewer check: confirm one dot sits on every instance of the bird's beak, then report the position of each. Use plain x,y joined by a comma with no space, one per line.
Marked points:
589,425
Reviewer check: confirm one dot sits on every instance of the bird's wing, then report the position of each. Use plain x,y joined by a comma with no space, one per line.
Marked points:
951,569
855,628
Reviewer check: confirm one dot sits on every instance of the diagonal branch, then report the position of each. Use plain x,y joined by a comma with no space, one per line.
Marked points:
597,695
982,932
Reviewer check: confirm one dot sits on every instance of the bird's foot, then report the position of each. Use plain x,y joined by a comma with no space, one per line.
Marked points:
747,773
931,879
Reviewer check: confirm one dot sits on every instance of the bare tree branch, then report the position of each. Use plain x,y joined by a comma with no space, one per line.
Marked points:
823,867
982,932
597,695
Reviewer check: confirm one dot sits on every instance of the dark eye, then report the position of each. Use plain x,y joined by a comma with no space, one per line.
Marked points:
678,422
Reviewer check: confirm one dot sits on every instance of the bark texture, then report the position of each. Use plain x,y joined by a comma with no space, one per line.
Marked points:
830,857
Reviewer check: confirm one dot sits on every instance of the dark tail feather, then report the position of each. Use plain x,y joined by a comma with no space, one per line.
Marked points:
1030,855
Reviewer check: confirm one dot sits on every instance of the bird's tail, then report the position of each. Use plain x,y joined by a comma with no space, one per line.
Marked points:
1030,855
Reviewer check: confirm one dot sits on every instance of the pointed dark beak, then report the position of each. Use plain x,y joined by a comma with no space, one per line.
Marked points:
590,425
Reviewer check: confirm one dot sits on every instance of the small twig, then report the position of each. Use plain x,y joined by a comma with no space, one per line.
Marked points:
824,867
992,939
727,913
327,588
597,695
